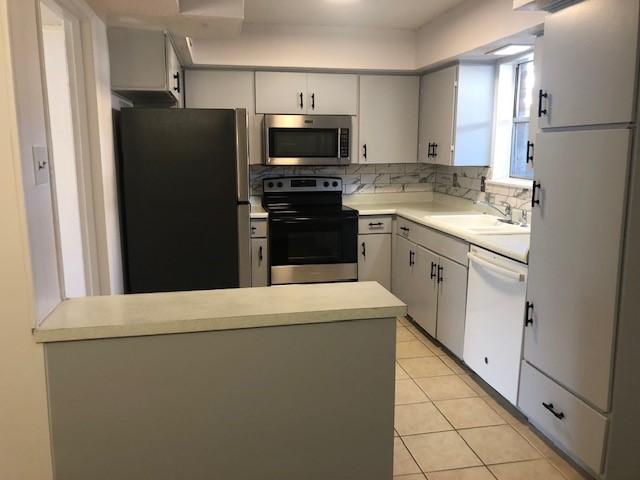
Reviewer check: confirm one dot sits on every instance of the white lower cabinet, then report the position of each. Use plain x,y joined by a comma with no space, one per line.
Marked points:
452,297
563,417
374,259
494,326
433,286
259,263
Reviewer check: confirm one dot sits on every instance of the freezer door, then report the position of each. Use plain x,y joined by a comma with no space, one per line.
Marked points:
179,202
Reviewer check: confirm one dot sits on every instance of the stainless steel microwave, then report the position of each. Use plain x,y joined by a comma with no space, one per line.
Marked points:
307,139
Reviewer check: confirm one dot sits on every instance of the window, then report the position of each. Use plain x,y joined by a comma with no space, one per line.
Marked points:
514,95
519,168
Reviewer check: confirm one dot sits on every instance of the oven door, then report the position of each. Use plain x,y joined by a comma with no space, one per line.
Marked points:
312,249
307,140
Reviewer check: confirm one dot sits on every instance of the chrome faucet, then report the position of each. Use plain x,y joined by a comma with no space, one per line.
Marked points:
507,213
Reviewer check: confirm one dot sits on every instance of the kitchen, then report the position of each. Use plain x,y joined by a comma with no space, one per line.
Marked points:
348,189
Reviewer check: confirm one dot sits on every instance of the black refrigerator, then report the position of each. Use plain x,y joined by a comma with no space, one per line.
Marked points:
183,193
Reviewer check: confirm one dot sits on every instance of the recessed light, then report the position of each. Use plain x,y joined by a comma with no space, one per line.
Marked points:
510,50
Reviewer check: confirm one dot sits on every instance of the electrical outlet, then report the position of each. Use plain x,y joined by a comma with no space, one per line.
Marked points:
40,164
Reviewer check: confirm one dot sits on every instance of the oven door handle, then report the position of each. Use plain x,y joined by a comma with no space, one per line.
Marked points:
298,220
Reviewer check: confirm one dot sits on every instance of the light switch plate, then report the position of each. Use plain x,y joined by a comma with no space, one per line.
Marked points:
40,164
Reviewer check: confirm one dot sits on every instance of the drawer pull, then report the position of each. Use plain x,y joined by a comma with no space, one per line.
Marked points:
376,224
404,229
549,406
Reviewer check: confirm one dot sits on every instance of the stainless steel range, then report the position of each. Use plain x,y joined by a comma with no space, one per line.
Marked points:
312,236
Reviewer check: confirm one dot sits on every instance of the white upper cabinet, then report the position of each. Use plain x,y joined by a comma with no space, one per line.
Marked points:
589,64
388,119
281,92
456,115
332,94
144,67
306,93
575,254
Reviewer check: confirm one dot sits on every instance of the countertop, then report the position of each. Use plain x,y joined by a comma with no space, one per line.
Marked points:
514,246
209,310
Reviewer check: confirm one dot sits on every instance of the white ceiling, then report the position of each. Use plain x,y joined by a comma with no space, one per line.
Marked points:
407,14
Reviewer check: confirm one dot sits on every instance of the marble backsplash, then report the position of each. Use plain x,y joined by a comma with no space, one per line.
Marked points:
462,182
466,182
356,178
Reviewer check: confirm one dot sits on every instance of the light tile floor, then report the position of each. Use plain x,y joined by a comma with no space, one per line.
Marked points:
449,427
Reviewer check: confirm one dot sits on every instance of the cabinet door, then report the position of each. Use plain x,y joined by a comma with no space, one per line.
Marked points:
402,266
332,94
281,92
424,288
452,305
437,106
388,118
175,80
589,65
575,253
374,260
259,263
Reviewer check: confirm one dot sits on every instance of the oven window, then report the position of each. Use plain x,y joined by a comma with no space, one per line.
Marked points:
303,142
299,242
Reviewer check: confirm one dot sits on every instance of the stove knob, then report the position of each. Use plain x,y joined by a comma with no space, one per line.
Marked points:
270,184
326,184
279,184
335,184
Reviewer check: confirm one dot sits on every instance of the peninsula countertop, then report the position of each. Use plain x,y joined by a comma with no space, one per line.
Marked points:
209,310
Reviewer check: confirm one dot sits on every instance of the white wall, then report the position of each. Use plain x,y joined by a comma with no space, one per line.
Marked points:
469,26
24,429
275,46
63,155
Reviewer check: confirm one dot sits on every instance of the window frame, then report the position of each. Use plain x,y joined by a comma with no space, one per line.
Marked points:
517,119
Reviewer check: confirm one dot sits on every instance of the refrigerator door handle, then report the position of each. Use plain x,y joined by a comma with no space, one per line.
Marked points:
244,245
242,155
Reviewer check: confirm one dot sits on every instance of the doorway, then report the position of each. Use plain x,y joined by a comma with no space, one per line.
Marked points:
69,159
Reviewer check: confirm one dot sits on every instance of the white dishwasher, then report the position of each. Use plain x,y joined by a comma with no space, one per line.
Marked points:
495,319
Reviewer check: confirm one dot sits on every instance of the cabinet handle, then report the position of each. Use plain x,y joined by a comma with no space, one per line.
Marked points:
530,148
376,224
301,100
435,150
440,277
411,262
364,151
313,101
549,406
433,268
535,201
541,95
364,250
260,254
176,77
404,229
528,319
429,154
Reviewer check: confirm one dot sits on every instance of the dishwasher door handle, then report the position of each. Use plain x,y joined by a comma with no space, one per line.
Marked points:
506,272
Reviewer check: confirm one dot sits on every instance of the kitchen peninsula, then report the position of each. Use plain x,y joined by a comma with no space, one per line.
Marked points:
194,384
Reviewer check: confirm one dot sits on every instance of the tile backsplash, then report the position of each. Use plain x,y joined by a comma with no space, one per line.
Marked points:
357,178
463,182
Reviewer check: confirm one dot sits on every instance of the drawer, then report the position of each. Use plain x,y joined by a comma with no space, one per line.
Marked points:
258,229
440,243
374,224
581,431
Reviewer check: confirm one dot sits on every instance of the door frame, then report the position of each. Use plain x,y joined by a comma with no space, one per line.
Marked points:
74,19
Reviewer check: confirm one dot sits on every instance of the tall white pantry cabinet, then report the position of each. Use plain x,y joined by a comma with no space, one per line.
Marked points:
587,116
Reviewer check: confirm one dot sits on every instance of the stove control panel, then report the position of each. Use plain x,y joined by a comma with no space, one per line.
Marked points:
302,184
